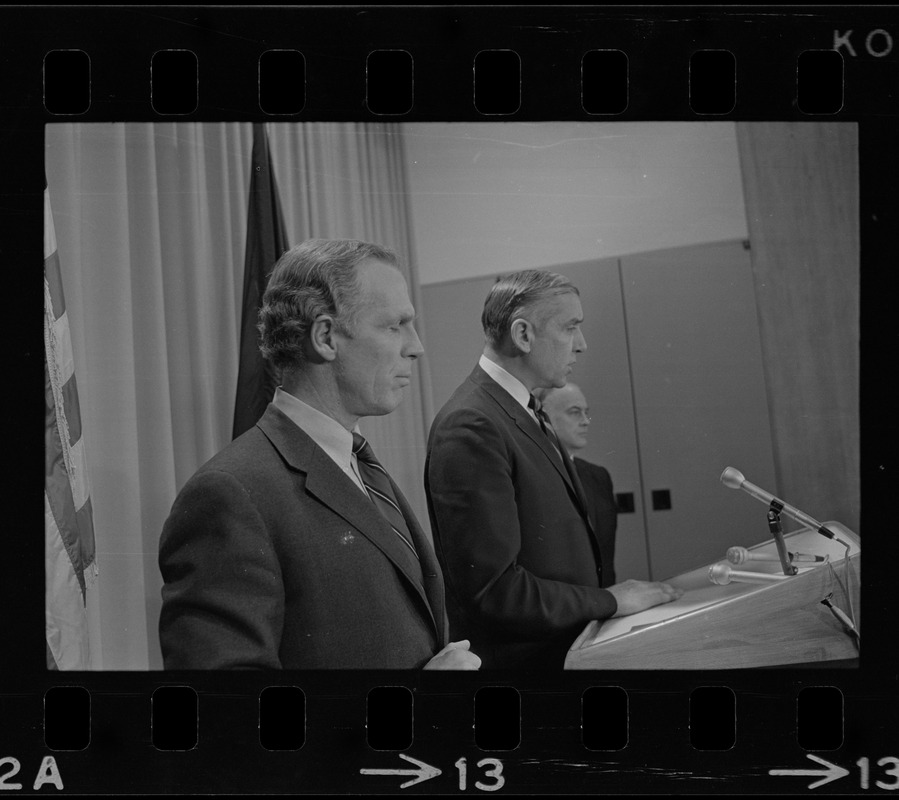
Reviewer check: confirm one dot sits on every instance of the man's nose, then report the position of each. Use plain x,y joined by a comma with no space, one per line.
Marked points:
414,349
580,343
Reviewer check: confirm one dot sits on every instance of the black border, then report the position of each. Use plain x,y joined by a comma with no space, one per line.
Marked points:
335,40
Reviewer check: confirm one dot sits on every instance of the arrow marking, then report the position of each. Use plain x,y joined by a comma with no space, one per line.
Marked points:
422,772
832,773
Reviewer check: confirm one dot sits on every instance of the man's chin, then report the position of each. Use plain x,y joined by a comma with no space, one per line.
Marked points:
383,407
393,402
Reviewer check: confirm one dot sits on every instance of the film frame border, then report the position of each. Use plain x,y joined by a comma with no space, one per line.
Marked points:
551,757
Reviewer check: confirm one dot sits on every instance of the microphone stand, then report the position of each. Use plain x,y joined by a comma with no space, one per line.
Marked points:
776,530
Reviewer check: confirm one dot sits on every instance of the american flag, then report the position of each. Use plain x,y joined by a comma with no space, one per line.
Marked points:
71,567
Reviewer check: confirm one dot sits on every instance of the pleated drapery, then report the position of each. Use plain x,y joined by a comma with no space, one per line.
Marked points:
152,219
347,181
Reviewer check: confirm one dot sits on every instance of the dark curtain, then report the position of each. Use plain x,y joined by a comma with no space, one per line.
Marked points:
266,241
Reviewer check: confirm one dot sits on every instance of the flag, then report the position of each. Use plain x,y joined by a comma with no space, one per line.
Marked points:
266,241
71,568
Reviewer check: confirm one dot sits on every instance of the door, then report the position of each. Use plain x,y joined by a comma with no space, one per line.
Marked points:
699,398
603,374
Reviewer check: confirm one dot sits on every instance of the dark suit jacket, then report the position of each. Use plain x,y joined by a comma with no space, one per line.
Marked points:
519,557
272,558
603,509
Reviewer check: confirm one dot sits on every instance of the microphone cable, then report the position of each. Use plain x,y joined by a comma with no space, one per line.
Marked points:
849,622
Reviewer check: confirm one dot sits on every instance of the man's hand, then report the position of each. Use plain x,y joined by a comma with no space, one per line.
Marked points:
633,596
455,655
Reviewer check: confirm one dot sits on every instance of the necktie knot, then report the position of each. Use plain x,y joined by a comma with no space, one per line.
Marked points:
535,406
546,426
362,449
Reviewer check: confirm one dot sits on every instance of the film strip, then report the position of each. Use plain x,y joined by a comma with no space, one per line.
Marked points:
825,727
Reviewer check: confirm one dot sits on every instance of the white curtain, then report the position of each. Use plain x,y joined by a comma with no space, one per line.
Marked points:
347,181
151,229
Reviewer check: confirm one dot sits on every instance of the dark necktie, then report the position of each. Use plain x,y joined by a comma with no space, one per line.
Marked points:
545,425
547,428
375,478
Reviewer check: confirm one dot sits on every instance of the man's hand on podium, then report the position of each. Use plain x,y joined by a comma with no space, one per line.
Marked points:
633,596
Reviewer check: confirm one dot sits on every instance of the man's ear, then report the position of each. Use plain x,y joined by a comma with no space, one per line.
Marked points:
321,338
522,334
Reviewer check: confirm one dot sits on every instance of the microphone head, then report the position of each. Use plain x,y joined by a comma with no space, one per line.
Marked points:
720,574
736,555
732,478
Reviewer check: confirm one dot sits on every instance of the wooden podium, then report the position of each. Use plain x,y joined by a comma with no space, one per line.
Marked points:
738,625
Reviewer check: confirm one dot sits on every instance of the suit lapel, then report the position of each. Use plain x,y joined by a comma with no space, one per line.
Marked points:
576,482
429,567
522,419
531,429
328,484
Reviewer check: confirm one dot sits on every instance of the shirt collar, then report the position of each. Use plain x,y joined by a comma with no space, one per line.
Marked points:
326,432
508,381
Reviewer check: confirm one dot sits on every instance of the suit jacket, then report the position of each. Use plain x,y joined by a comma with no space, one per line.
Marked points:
273,558
511,530
603,509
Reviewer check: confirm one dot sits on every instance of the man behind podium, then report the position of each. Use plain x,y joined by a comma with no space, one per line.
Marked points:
570,417
292,548
510,523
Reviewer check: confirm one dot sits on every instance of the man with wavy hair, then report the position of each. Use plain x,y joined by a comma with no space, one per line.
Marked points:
292,548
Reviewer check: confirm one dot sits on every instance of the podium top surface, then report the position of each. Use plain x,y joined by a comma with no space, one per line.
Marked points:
700,594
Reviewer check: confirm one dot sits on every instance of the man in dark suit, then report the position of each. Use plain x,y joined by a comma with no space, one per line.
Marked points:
292,548
510,522
569,415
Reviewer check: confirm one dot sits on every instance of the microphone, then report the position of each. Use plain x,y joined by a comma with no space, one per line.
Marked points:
740,555
722,574
733,479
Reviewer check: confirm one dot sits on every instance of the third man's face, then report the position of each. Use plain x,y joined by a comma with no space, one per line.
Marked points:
374,364
557,340
567,410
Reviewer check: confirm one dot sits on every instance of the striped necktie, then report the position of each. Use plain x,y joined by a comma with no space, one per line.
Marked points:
376,481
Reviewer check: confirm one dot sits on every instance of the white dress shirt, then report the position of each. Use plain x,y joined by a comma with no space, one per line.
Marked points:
518,391
326,432
510,383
